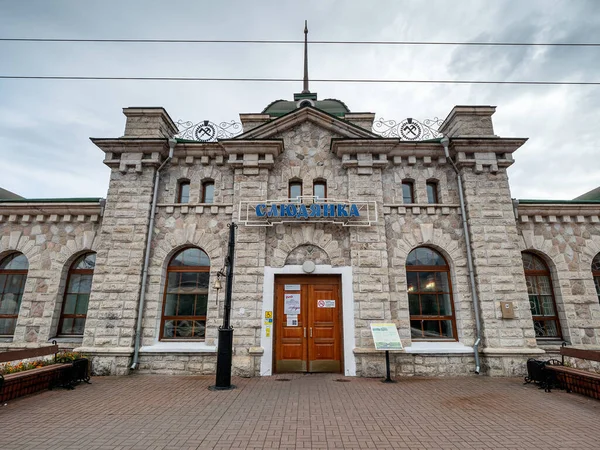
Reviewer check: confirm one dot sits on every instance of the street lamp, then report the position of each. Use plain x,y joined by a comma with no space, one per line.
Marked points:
225,346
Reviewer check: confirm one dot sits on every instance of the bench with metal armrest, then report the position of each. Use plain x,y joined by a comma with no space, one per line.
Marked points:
577,380
29,381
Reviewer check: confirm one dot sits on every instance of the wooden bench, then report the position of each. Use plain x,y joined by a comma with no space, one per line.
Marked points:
29,381
577,380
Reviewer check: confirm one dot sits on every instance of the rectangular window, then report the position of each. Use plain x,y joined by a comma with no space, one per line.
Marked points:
320,190
407,192
295,190
432,193
208,192
184,192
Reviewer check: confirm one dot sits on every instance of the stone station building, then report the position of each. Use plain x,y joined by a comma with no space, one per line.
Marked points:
310,276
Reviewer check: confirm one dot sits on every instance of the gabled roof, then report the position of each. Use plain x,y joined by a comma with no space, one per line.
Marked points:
594,194
6,194
310,114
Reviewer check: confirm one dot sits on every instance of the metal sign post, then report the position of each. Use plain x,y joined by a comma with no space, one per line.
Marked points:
385,337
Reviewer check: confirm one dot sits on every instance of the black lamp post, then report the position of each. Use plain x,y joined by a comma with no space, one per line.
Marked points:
225,347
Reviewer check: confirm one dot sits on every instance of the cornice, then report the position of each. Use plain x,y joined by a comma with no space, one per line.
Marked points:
50,212
553,213
474,144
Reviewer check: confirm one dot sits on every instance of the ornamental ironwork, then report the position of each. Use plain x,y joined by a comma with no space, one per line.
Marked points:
409,129
207,131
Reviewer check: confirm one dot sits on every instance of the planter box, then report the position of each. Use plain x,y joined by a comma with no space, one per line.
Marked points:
34,380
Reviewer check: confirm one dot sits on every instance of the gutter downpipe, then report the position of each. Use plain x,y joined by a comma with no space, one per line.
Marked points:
445,141
138,330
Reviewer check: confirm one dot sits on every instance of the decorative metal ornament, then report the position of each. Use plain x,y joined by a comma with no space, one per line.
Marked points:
409,129
207,131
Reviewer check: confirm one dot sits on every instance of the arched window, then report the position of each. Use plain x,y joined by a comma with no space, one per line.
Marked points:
77,296
186,296
541,297
208,192
183,191
408,193
320,190
596,273
13,273
430,300
432,192
295,190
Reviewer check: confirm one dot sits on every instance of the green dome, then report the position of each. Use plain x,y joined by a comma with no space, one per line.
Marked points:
331,106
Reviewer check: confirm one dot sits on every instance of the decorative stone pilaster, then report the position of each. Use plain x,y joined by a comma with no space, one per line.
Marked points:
250,261
149,123
369,257
113,306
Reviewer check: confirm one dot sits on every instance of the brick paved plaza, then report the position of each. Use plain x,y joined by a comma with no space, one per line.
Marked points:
310,411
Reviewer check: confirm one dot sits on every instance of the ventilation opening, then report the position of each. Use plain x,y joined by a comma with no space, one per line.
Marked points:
305,103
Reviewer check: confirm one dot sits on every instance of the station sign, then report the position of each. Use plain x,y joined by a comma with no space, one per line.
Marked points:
306,210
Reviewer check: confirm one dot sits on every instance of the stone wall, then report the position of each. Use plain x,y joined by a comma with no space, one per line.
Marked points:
567,243
174,231
112,310
51,241
499,274
421,224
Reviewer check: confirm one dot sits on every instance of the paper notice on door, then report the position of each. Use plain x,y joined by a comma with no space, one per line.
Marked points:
292,320
291,304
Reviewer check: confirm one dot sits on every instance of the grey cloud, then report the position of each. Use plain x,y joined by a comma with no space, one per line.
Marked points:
63,114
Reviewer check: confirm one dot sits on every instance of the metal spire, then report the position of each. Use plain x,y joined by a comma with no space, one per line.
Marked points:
305,89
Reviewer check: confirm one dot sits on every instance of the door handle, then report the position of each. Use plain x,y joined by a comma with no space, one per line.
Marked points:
304,331
310,331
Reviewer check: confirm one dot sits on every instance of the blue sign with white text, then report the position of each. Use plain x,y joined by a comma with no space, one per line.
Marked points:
301,211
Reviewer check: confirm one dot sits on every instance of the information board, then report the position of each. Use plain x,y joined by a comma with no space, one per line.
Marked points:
385,336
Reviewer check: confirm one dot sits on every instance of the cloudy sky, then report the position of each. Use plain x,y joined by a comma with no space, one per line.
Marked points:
45,125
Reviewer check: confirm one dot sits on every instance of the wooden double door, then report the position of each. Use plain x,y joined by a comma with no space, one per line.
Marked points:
308,331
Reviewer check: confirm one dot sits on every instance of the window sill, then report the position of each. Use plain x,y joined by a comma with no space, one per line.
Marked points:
6,339
549,344
438,347
179,347
67,339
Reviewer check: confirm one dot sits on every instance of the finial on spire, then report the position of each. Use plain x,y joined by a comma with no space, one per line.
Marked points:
305,89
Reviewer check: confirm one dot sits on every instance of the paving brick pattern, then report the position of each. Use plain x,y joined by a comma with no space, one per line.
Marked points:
310,411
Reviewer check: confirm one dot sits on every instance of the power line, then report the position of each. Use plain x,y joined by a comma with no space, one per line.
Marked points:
296,80
267,41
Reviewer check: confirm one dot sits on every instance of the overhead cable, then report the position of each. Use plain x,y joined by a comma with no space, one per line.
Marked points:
295,80
279,41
